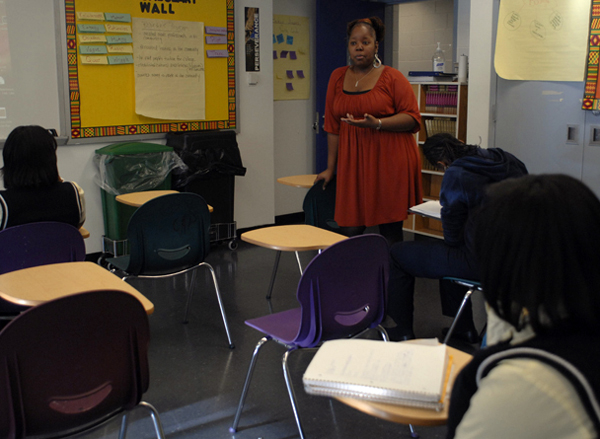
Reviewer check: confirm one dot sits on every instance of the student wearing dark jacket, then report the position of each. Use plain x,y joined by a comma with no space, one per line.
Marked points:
34,190
468,170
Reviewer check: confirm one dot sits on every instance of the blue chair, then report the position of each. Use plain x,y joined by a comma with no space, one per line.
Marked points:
169,236
319,206
341,294
71,364
33,244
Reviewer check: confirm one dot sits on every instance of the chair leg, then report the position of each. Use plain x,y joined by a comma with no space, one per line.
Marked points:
188,301
460,310
160,434
123,429
238,413
214,278
299,264
277,257
291,393
383,333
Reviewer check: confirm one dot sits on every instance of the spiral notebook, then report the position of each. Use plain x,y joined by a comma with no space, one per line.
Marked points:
409,374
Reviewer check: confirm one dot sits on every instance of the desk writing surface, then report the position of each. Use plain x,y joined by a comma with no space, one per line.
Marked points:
35,285
136,199
410,415
304,181
296,237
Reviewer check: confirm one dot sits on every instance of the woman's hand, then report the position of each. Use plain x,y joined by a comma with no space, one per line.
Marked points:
326,175
368,121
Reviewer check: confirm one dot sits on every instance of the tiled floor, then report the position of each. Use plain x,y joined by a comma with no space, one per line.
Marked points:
196,380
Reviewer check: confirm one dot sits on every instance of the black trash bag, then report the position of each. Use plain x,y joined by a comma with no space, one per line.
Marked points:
205,154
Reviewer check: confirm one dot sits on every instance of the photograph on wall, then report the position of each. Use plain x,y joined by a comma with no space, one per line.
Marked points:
252,40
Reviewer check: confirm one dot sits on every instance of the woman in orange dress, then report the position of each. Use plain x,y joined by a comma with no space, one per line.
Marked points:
371,115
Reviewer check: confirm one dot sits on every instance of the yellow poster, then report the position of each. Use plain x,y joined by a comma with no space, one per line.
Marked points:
169,69
291,57
542,40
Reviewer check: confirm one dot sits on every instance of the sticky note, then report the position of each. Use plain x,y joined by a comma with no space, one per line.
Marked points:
118,28
123,18
283,54
289,86
280,38
290,74
217,53
274,54
91,28
120,59
97,16
216,39
274,40
214,30
300,74
91,38
92,50
289,40
293,54
119,39
93,59
120,48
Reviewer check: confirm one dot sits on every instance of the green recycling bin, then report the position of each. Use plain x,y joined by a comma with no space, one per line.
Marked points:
124,168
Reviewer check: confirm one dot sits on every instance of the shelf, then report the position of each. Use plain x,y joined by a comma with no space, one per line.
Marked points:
450,116
448,100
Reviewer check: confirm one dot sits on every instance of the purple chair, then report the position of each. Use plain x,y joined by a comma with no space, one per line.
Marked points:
33,244
342,293
73,363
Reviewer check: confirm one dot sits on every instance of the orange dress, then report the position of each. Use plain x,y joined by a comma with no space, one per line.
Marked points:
378,172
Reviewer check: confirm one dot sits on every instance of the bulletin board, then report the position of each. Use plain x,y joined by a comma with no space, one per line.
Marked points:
135,66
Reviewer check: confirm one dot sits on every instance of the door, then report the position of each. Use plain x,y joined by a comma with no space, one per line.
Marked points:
547,131
332,18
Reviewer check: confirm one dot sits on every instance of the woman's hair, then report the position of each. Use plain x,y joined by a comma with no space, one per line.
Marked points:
29,156
537,240
374,23
446,148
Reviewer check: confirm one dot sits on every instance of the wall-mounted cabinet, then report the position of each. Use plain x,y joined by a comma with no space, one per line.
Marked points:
443,107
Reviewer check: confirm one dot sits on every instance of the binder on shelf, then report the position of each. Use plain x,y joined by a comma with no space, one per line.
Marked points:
409,374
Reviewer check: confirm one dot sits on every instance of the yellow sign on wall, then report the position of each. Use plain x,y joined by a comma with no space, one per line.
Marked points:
291,57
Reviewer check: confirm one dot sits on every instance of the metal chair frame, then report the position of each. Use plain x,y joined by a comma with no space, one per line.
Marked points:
313,328
472,286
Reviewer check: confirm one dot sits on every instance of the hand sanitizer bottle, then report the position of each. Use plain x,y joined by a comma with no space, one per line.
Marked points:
438,59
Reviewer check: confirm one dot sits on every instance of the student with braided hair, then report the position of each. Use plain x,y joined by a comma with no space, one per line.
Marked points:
468,170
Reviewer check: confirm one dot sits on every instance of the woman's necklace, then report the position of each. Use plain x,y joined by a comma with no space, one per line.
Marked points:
358,80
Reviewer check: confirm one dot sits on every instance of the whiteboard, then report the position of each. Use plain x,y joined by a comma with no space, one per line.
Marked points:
31,88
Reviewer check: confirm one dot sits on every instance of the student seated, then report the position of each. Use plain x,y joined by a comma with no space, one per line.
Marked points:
34,190
537,240
468,170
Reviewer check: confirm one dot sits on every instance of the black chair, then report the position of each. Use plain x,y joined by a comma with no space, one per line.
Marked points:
72,364
168,236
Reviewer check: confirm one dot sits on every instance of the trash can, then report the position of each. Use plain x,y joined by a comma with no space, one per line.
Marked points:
124,168
212,160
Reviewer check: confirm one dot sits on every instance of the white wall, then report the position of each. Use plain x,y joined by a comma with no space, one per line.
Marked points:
482,76
418,27
254,193
293,134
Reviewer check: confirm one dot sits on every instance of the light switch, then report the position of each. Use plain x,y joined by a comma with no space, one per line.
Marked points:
252,78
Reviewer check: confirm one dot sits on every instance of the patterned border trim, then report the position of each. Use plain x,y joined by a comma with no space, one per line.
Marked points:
591,95
78,128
